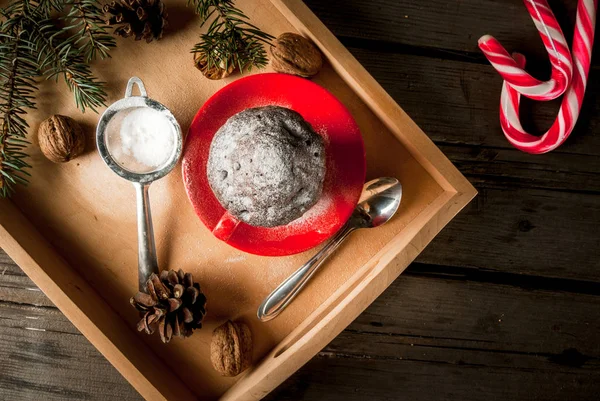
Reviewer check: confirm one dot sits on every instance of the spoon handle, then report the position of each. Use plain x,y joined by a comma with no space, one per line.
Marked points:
279,299
147,263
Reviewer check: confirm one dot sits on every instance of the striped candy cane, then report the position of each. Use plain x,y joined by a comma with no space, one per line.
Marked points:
583,40
556,46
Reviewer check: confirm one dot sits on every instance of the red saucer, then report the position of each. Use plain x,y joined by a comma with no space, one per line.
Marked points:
346,164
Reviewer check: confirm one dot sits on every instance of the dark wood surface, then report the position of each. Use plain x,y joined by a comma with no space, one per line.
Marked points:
504,304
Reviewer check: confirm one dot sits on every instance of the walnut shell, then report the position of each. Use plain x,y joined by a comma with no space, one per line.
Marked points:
294,54
231,348
61,138
215,72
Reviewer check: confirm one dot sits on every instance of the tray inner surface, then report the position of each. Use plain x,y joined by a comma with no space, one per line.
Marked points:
88,214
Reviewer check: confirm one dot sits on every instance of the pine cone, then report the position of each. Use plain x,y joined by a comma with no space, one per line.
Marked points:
144,19
214,72
174,304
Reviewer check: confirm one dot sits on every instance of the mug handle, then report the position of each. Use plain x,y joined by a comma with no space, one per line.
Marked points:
225,227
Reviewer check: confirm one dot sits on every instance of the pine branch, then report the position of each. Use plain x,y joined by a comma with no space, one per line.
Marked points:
230,37
56,58
17,71
90,36
31,45
45,7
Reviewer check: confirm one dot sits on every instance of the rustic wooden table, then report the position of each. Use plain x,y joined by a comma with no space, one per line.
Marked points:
504,304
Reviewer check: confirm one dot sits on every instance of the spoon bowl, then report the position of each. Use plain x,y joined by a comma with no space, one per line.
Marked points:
378,203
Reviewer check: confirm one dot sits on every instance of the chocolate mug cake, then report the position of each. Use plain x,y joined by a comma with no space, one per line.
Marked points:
266,166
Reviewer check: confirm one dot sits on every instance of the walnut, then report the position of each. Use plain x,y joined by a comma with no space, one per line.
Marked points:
294,54
231,348
61,139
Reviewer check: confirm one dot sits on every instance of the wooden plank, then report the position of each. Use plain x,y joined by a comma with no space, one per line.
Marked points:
525,231
489,317
489,167
453,25
385,346
464,340
359,379
457,102
484,333
16,287
45,357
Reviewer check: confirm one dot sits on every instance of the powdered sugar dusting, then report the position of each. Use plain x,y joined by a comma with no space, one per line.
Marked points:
235,259
312,215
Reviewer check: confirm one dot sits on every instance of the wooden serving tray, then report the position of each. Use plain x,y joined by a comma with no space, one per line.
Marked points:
73,229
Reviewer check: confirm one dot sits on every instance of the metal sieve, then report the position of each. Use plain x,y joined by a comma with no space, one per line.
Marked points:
147,261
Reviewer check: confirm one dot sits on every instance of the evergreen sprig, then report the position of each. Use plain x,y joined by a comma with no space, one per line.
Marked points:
58,57
230,38
89,30
17,71
34,42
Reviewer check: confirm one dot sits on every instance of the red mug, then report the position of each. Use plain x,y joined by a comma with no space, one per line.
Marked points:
345,161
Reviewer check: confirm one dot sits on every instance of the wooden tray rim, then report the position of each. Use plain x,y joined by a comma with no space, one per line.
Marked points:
117,341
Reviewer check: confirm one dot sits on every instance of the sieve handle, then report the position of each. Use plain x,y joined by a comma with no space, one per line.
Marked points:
140,85
147,262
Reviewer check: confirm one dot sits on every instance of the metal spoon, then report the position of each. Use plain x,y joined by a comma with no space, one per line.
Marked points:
147,262
378,203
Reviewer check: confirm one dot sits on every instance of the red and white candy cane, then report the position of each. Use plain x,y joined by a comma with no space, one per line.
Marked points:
556,46
583,40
